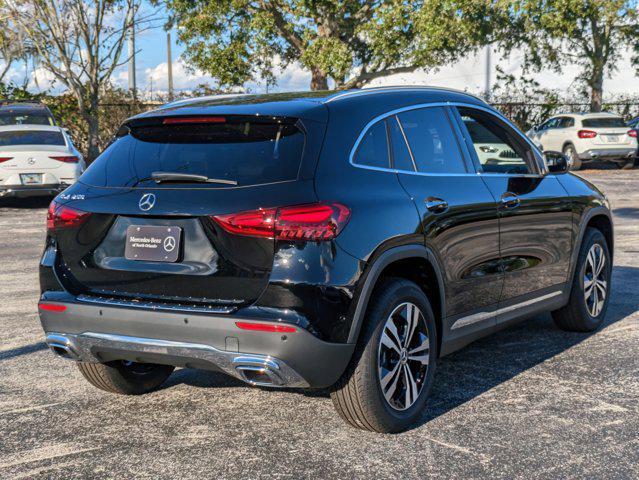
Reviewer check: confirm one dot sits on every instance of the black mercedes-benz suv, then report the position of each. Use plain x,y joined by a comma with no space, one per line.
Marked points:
342,240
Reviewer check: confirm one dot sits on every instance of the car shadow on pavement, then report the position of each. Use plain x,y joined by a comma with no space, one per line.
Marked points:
25,203
23,350
496,359
482,365
629,212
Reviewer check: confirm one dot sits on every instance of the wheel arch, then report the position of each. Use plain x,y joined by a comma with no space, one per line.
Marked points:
412,262
601,219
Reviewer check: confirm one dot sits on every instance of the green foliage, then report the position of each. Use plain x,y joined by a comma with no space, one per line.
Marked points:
349,41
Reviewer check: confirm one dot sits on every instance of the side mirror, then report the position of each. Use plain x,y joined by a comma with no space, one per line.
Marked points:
557,162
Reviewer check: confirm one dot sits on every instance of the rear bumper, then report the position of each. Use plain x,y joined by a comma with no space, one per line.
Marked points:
94,333
608,154
23,191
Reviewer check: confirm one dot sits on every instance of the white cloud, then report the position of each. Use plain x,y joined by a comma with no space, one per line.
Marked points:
156,78
41,79
469,74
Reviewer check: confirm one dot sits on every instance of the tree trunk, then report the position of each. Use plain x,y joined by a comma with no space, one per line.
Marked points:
93,124
596,92
319,80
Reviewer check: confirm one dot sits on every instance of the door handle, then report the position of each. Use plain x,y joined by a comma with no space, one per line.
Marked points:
510,200
436,205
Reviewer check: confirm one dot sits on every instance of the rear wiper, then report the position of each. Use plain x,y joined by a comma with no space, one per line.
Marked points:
164,177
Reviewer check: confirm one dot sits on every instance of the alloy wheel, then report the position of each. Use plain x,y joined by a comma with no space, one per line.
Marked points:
595,280
403,356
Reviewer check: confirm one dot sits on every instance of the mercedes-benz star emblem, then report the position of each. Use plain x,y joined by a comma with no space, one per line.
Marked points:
169,244
147,202
31,161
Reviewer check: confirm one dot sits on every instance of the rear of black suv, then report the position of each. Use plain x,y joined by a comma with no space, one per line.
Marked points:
198,240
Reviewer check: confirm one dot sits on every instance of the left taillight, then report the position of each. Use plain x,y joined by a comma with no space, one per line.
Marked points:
309,222
5,159
66,158
60,217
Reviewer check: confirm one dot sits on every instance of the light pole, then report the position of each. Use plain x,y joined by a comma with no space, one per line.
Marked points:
131,52
169,63
487,87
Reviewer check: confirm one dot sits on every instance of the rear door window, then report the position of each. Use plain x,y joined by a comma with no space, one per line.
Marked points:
432,141
242,151
604,122
31,137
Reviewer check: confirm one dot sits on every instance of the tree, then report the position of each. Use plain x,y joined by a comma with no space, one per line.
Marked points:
81,43
351,42
13,45
589,33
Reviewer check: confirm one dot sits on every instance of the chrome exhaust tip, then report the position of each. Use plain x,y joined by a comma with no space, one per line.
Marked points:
258,371
62,347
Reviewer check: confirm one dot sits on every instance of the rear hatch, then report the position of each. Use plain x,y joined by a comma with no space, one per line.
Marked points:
152,196
33,150
611,132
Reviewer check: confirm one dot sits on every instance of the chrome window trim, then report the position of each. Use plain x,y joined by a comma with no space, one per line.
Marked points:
408,147
492,111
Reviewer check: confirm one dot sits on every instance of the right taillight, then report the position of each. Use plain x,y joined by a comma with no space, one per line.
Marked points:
309,222
60,216
586,134
632,133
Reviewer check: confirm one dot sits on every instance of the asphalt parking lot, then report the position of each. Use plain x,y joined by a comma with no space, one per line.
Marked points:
528,402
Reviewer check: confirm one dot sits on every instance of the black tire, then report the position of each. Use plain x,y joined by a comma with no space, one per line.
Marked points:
578,315
125,378
571,153
358,396
629,165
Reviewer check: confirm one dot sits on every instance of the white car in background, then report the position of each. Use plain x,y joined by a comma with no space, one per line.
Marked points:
585,137
37,160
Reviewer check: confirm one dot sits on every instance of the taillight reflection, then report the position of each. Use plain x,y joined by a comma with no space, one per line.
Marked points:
311,222
60,217
66,158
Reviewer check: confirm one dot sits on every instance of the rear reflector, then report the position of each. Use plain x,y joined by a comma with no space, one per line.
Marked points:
52,307
632,133
60,216
67,159
266,327
586,134
5,159
182,120
312,222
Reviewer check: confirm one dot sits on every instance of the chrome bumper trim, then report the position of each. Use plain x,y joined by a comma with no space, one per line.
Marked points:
86,347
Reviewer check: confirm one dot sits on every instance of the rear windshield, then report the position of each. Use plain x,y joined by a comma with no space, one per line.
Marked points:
31,137
603,122
246,152
25,118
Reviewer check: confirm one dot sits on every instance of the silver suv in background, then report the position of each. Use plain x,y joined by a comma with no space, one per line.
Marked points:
584,137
